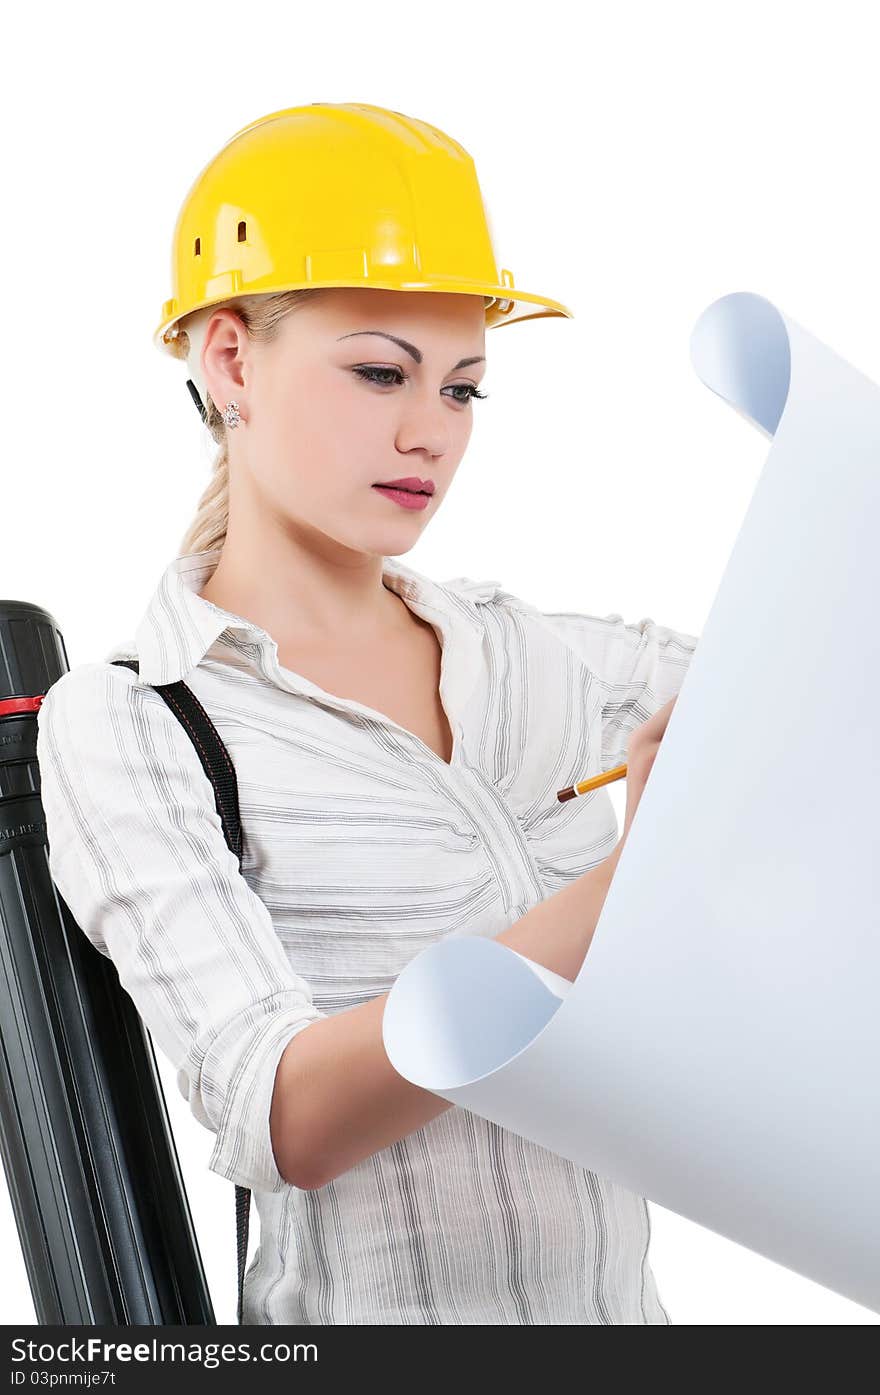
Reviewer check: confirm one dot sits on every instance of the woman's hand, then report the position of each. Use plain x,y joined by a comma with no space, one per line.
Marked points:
644,743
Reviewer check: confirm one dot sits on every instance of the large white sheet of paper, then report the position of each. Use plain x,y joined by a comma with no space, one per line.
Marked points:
718,1052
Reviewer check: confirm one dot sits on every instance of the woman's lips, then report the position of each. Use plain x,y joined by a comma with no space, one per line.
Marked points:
405,497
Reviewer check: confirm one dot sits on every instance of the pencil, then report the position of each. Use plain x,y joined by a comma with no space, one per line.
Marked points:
584,786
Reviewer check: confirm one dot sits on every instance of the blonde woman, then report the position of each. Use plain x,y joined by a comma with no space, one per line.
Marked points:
397,744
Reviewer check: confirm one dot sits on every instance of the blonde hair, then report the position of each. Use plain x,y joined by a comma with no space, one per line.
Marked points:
262,316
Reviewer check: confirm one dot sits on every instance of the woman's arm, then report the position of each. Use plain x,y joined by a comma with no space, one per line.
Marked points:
337,1098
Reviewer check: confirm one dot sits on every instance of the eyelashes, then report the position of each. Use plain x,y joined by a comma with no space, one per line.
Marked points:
368,373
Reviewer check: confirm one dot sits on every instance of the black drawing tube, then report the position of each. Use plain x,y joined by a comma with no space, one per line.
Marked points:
86,1142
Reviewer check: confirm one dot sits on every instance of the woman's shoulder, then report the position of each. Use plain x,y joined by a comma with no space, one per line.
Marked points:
90,692
493,594
101,720
475,592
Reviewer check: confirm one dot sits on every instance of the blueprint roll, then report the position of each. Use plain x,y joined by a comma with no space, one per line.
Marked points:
93,1175
718,1050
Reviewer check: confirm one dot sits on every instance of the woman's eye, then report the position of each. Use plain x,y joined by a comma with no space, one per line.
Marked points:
370,374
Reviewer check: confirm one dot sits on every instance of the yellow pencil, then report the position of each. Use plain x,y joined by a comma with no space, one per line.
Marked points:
584,786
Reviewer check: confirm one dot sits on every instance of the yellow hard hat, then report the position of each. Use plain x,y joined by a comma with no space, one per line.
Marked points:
338,194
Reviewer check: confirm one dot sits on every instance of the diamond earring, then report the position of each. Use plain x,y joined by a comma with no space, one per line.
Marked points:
230,414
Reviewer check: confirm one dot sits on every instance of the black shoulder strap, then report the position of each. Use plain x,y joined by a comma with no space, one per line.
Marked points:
219,769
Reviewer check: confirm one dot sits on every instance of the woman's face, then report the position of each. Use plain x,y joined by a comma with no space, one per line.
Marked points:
331,408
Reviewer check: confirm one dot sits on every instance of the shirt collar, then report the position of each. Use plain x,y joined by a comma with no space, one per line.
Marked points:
179,626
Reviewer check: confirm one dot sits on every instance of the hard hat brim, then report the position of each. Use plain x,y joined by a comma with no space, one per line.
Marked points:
508,305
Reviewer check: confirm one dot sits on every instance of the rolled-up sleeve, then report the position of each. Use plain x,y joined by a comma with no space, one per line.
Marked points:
138,853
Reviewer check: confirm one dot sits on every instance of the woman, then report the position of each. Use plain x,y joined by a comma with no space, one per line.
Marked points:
397,744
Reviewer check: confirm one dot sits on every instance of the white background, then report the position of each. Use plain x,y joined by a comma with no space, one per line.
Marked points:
635,167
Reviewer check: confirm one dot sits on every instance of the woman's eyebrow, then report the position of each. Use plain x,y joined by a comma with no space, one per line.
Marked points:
411,348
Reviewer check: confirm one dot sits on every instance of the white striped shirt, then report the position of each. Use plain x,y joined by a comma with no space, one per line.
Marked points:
361,846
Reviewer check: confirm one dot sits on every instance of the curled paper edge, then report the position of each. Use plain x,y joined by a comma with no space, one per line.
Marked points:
741,349
478,1004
